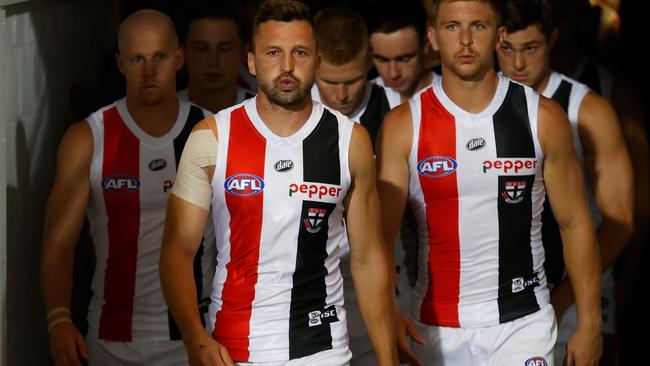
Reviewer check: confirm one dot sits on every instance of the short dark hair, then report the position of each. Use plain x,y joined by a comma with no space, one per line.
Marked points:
213,10
390,16
281,11
496,6
520,14
341,34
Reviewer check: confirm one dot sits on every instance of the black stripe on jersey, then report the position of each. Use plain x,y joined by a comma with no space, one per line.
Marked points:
309,323
194,116
554,257
514,140
320,152
375,111
562,95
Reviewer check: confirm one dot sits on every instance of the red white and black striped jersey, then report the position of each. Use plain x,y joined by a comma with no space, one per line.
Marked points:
372,110
477,191
131,176
278,215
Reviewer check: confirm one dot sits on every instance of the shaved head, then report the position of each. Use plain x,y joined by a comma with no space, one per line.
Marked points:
146,20
149,57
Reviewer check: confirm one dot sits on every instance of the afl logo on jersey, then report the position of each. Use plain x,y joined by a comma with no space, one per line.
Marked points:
120,183
475,144
157,164
283,166
436,166
244,184
536,361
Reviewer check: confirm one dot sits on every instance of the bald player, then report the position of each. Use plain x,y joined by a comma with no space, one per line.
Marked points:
118,166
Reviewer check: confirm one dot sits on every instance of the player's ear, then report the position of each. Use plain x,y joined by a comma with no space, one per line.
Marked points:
251,63
431,33
501,35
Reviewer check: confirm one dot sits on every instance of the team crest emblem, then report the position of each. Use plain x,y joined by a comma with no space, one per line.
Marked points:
314,220
514,192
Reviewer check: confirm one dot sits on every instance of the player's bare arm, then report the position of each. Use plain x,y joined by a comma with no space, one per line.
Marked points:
610,174
369,262
393,148
64,217
611,177
566,192
187,214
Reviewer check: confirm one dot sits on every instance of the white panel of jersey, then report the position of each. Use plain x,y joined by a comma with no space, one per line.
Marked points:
477,191
278,216
131,175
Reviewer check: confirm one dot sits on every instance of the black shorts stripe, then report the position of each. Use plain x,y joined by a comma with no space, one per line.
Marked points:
514,140
375,111
195,116
309,331
554,257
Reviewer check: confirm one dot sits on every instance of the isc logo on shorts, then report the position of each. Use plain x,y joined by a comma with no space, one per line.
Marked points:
436,166
244,184
325,316
536,361
120,183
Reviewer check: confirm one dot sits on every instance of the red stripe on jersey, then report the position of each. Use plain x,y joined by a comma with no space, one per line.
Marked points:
121,191
438,139
246,154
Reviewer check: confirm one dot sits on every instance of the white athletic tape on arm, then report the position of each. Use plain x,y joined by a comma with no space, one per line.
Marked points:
192,182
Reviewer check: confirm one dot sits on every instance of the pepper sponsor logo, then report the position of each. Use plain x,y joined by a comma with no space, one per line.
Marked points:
315,191
436,166
120,183
167,185
503,166
244,184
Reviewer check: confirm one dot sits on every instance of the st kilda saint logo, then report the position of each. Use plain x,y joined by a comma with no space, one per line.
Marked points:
314,220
